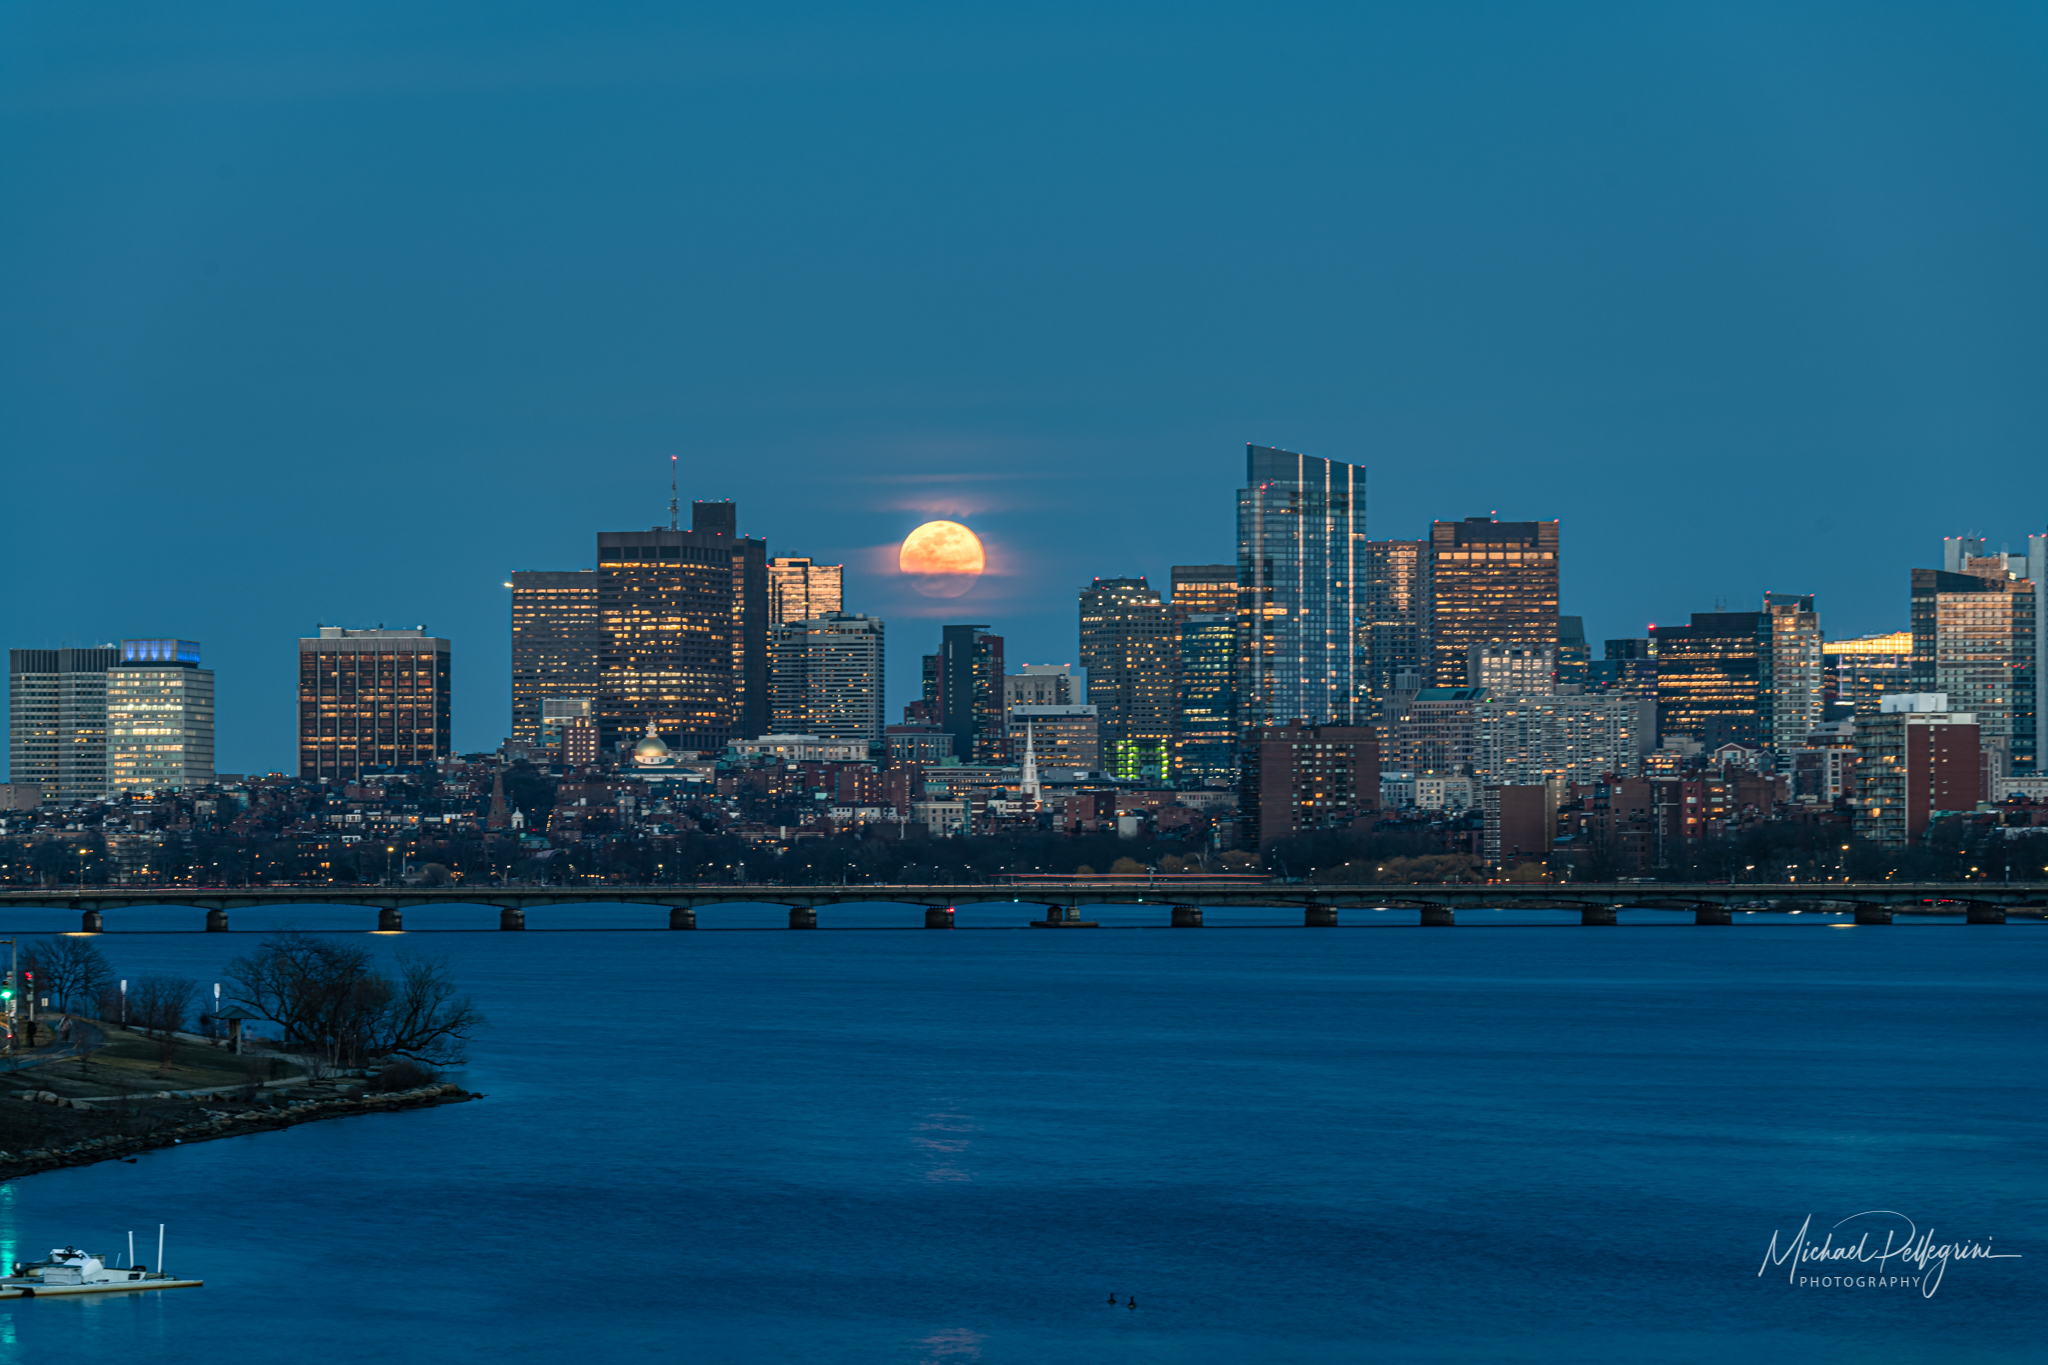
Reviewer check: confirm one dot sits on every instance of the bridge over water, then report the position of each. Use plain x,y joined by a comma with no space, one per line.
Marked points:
1061,904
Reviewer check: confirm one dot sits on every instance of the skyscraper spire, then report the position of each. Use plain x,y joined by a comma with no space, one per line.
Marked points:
675,508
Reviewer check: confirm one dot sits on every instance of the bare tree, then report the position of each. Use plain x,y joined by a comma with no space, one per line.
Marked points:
160,1003
331,1004
426,1019
71,971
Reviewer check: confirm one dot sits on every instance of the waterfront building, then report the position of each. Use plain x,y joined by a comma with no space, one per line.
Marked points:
1519,823
1061,737
1520,741
57,721
159,717
557,635
827,677
1915,759
1860,671
1126,644
372,699
1714,678
964,687
1311,777
1513,670
1798,682
1205,725
1488,583
1300,526
1391,626
684,619
799,590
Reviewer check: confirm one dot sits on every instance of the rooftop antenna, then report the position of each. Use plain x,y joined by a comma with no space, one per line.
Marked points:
674,507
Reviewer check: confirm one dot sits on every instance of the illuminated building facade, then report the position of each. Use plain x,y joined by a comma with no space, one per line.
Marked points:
1311,777
1068,737
1915,760
1391,626
159,717
964,689
1127,646
1858,672
1798,681
1714,678
1300,528
57,721
1533,739
1984,660
826,677
372,699
557,635
1489,583
1205,727
799,590
1513,670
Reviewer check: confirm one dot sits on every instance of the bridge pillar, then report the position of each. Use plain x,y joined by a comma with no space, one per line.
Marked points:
938,917
1187,916
1063,917
681,917
216,921
1320,917
1712,914
803,917
1873,914
1597,914
1984,914
91,923
390,921
509,918
1438,917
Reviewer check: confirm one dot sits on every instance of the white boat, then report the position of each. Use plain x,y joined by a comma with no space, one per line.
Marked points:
71,1271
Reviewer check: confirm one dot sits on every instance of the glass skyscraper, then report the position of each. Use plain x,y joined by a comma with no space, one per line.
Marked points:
1300,528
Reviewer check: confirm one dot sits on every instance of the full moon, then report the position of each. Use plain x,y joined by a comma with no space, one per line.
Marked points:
943,558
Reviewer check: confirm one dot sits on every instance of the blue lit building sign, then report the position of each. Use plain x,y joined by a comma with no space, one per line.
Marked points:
159,651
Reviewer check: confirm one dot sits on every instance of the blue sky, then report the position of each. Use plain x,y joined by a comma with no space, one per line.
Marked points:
335,313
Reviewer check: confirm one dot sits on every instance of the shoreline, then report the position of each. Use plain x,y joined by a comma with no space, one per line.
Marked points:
220,1123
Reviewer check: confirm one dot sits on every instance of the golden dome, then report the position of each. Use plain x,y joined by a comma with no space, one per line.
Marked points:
650,751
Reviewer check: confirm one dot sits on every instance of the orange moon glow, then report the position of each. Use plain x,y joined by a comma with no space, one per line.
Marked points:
943,558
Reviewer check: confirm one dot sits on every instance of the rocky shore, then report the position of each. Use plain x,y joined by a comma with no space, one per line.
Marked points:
201,1120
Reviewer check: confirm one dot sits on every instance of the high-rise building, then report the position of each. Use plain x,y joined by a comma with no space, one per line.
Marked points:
1860,671
57,721
2033,567
1985,653
1311,777
1067,737
1046,685
1436,731
967,677
684,618
1127,648
1530,740
557,635
827,677
159,717
1391,581
372,699
1488,583
799,590
1915,759
559,713
1513,670
1714,678
1574,656
1203,590
1300,530
1798,682
1205,727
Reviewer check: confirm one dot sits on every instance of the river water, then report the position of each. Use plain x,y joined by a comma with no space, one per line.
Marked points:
1509,1141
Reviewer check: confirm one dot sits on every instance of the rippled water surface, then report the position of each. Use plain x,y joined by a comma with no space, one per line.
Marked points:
1497,1142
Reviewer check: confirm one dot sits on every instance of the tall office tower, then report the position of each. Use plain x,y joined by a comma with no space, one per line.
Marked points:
1203,590
1859,672
372,699
1487,583
827,677
1985,653
1300,528
799,590
1127,648
57,720
1574,656
969,688
750,613
1798,684
1959,554
1714,678
159,717
1205,725
1392,582
1928,586
1915,759
557,634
